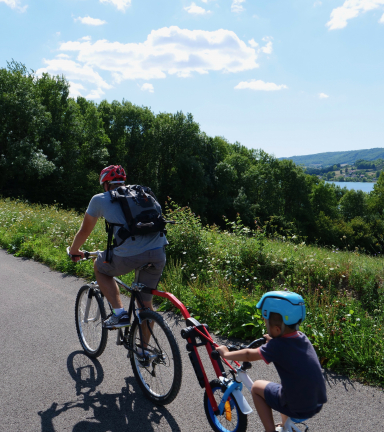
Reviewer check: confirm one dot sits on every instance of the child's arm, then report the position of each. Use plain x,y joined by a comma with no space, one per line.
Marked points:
242,355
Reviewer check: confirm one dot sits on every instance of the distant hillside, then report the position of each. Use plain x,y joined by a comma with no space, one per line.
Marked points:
332,158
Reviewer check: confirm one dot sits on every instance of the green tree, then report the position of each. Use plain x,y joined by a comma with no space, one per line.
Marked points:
353,204
376,197
23,120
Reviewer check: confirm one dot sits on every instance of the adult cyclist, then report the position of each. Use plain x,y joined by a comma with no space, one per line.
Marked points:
131,254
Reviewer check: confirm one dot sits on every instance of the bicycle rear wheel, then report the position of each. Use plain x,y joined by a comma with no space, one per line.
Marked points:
92,335
232,420
160,378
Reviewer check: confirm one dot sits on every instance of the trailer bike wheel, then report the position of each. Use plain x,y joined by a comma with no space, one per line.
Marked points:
159,373
232,419
92,335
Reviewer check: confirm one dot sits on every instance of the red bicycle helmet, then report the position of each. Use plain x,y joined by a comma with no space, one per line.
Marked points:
113,174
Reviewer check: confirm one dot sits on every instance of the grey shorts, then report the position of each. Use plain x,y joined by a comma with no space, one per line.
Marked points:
119,266
272,395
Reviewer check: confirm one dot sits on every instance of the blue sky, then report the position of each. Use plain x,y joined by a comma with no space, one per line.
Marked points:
291,77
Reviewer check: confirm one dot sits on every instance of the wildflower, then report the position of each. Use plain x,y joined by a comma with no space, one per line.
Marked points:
357,319
184,253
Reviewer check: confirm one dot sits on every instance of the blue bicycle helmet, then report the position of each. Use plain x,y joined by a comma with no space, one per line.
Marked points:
288,304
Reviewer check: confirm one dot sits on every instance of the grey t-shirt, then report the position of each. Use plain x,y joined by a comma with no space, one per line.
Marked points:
101,206
302,381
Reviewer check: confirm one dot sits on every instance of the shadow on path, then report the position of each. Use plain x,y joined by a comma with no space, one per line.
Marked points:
102,411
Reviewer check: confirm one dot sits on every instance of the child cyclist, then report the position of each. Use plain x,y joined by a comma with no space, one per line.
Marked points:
302,392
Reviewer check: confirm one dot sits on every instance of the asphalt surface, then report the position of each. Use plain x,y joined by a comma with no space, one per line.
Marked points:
47,384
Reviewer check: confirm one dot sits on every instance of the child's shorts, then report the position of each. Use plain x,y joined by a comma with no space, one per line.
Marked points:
272,395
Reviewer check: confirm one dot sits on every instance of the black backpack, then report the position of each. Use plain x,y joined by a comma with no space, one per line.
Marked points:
142,213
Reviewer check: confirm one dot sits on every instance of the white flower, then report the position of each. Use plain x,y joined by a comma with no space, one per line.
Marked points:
184,253
246,280
357,319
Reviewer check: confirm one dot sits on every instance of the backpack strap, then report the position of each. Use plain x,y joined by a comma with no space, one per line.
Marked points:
109,231
120,195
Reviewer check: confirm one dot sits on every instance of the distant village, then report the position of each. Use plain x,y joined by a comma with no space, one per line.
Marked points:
360,171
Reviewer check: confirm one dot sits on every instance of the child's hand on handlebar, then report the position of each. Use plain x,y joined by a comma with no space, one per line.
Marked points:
222,350
267,337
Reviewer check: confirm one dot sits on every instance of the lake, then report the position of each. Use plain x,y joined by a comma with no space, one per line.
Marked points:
365,187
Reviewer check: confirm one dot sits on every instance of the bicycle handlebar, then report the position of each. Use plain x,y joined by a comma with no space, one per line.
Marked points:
87,255
255,344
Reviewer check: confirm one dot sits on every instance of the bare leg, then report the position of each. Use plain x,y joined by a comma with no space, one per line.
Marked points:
109,288
284,418
264,411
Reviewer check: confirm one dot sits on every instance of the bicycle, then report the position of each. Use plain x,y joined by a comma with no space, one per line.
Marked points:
156,363
225,406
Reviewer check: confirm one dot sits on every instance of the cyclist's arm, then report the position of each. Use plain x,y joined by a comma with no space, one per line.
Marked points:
85,230
241,355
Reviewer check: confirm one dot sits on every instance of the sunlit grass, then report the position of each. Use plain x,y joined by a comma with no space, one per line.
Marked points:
220,275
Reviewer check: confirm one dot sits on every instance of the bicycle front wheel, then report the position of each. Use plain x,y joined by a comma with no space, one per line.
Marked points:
232,420
89,315
160,377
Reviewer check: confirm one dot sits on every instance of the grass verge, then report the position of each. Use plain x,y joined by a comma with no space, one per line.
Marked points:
219,276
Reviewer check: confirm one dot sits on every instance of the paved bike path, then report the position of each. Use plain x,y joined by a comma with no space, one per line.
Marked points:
48,385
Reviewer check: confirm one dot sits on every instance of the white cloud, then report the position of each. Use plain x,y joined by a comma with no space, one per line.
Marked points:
91,21
147,87
253,43
237,7
351,9
317,3
74,89
381,20
165,52
169,50
323,96
267,49
74,72
196,10
259,85
95,94
121,5
14,4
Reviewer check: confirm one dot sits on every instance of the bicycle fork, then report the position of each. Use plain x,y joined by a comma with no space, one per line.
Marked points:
90,294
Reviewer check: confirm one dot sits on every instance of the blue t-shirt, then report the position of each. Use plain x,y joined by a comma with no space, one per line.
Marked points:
302,381
101,206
